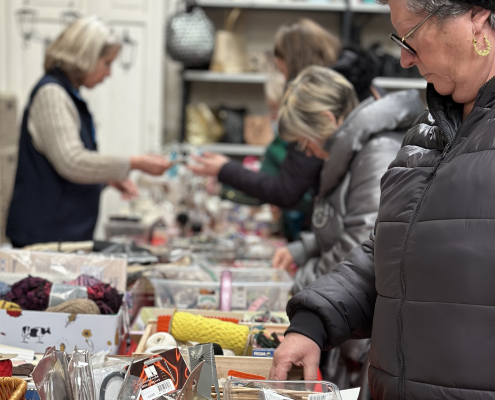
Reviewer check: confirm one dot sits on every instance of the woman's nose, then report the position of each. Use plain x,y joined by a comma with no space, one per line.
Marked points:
407,60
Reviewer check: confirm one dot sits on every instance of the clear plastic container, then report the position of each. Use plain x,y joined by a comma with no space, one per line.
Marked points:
243,389
132,229
254,289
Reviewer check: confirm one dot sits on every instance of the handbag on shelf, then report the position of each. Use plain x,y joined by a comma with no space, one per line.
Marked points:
230,49
201,125
233,124
258,130
190,36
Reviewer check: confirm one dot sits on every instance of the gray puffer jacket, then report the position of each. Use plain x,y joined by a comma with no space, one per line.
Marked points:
425,280
346,207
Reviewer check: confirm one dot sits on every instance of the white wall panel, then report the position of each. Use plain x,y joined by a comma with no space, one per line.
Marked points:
128,106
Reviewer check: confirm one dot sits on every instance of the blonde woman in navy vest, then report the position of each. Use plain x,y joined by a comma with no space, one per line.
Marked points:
60,174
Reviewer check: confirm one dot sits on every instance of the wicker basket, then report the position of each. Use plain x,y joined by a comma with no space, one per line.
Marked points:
12,389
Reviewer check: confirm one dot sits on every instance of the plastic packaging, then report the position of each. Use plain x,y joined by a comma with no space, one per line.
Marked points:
256,289
60,292
131,388
109,377
59,267
51,376
81,376
243,389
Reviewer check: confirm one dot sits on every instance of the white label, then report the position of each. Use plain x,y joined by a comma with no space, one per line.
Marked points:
91,270
273,395
157,390
321,396
150,372
239,298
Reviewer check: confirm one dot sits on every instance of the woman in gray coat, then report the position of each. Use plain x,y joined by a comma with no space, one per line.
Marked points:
422,286
360,151
356,156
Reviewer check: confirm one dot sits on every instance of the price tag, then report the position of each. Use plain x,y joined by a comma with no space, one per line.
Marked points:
155,391
321,396
239,298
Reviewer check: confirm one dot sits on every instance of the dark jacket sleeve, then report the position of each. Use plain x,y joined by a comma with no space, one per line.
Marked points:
298,173
340,305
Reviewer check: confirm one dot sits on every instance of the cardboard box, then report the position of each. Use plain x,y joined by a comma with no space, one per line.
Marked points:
38,330
58,267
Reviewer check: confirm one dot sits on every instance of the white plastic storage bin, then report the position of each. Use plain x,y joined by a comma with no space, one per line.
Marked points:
255,289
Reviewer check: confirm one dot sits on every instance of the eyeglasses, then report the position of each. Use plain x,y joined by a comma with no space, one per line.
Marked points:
401,42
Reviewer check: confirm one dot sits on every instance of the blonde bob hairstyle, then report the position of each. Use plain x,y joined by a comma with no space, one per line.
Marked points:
78,48
303,43
314,91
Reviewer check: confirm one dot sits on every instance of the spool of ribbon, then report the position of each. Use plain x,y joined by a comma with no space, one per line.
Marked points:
160,339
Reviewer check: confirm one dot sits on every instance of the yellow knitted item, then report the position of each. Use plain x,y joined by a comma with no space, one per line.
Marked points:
8,305
195,328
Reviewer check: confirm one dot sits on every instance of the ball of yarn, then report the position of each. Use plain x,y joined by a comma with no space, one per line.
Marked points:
106,297
4,289
8,305
187,327
6,368
31,293
161,339
76,306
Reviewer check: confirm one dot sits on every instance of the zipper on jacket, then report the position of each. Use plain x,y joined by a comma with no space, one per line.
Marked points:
430,177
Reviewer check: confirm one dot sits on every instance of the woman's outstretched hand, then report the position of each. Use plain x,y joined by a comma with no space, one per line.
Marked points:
209,164
151,164
282,259
299,350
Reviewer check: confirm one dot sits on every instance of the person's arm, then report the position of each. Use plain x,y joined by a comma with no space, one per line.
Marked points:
54,125
297,175
336,307
304,249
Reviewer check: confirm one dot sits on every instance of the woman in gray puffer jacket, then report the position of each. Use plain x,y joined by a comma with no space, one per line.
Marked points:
346,207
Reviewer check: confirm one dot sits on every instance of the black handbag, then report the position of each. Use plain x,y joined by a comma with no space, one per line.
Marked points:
190,36
233,123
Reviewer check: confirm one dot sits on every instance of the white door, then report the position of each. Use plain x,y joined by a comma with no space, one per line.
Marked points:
127,107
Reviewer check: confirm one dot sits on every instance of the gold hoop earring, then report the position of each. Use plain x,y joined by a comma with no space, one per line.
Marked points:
488,49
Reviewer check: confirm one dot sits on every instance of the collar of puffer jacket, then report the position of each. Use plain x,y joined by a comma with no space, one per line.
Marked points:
448,114
394,112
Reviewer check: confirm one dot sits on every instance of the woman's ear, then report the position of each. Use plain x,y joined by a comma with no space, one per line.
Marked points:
331,116
479,17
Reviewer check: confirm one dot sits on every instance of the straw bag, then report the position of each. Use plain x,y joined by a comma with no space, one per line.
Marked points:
201,125
12,388
258,130
230,49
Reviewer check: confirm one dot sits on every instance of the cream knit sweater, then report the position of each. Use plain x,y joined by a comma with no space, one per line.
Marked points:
54,125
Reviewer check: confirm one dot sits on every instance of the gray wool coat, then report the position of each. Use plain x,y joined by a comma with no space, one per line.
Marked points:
346,207
423,286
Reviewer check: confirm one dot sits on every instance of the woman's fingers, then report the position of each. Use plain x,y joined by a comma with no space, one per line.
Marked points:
296,349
